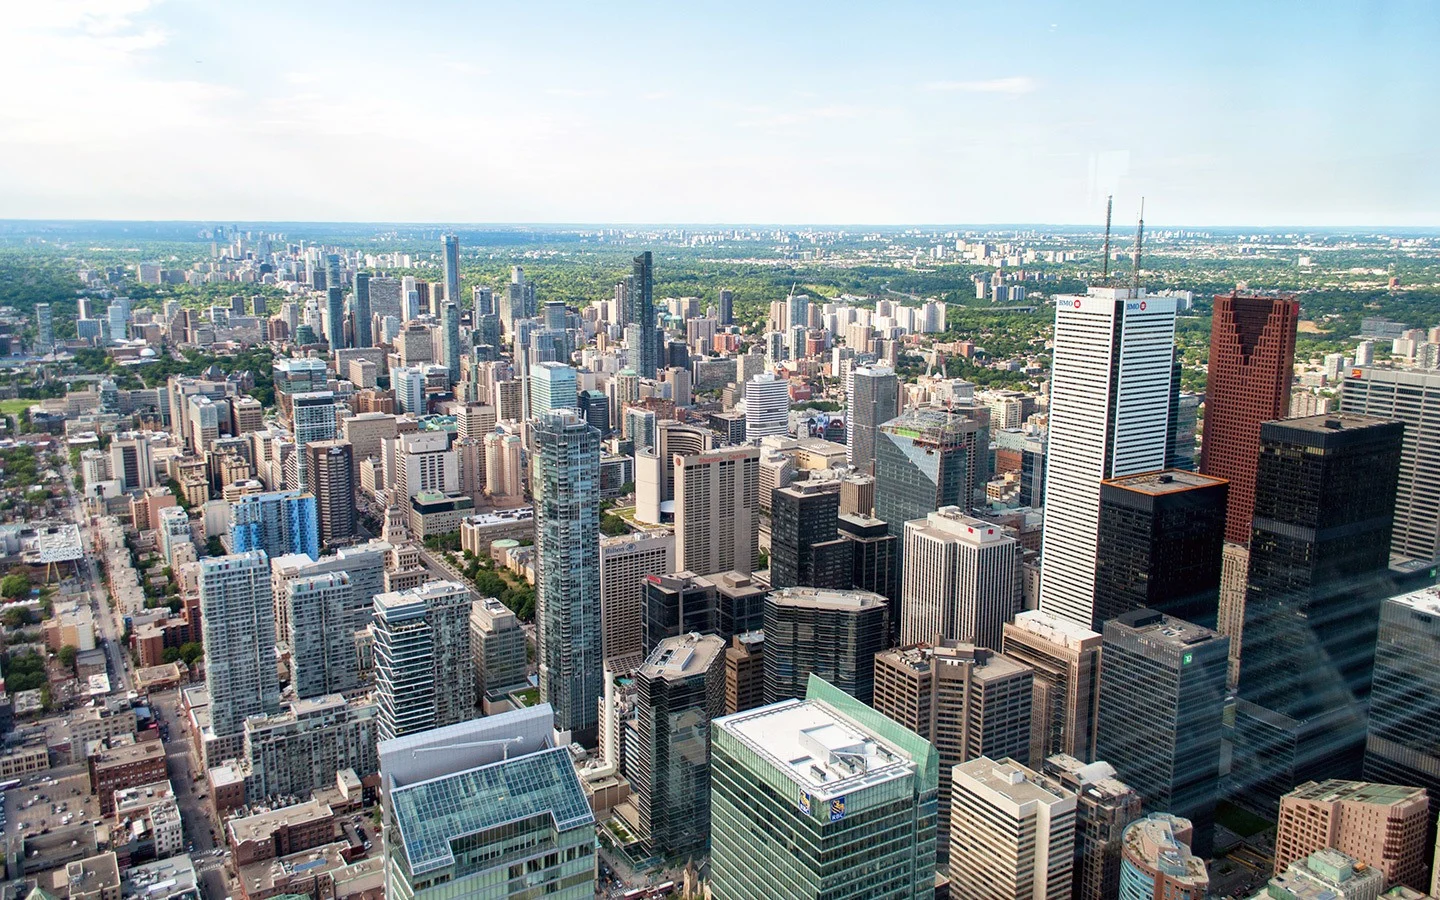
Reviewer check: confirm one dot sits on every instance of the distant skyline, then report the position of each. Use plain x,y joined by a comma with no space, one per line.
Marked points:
1280,114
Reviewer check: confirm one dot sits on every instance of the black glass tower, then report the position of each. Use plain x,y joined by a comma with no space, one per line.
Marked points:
805,547
363,336
833,634
1403,746
641,312
1319,568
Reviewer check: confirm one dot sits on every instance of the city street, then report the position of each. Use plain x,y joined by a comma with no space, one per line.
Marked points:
107,621
194,809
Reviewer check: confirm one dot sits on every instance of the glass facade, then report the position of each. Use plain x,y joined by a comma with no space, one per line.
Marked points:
924,460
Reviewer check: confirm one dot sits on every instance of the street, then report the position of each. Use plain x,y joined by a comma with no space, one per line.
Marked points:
106,617
194,811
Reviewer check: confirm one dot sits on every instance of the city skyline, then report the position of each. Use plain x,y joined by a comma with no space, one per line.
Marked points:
757,121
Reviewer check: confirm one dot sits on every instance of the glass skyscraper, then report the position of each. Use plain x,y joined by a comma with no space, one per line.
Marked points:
452,269
277,522
335,318
640,312
1403,746
363,336
566,484
872,398
924,459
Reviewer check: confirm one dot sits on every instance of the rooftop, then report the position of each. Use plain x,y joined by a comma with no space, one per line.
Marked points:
1153,841
683,656
161,880
1334,421
261,826
1166,481
825,598
1425,600
1011,781
1335,790
1054,629
1165,629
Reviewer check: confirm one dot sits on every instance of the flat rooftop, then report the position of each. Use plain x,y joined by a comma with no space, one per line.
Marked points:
1166,481
1425,600
1010,780
1335,790
1054,629
1165,629
1333,421
824,753
684,656
825,598
261,826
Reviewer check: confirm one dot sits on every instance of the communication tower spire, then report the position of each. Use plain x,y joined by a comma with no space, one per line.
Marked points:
1139,245
1105,272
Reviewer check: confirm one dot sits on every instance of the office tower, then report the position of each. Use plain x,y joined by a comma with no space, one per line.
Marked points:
1252,361
924,459
423,660
409,385
1011,836
332,270
239,639
678,691
965,700
420,461
566,483
874,553
330,468
204,419
552,387
1183,450
792,784
499,788
293,377
131,462
246,415
872,398
363,335
1156,862
335,318
44,329
805,547
118,314
1327,874
498,642
832,634
717,515
1162,693
1403,744
314,420
641,313
767,407
1160,543
450,338
1066,662
725,603
451,245
726,302
276,522
1385,826
1032,473
1108,418
1319,558
1411,396
1104,805
745,672
961,580
321,636
625,561
595,407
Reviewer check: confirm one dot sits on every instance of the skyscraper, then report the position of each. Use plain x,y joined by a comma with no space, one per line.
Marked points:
314,420
872,398
924,459
805,547
1066,662
717,510
331,470
641,313
239,639
552,387
131,462
965,700
1411,396
961,580
566,483
1104,805
1011,835
1382,825
335,318
499,645
1162,697
409,385
424,665
874,554
321,634
678,691
625,560
363,335
1403,745
726,303
1110,385
767,407
1156,862
276,522
794,782
44,329
1252,361
832,634
1160,545
1319,566
498,787
450,338
451,245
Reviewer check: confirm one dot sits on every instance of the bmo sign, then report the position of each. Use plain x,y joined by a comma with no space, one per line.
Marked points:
1135,307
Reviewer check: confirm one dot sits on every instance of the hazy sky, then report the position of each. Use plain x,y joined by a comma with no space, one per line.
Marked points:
1305,113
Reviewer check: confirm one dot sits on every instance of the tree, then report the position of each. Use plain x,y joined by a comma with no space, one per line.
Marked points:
67,656
191,652
612,525
15,586
18,618
213,547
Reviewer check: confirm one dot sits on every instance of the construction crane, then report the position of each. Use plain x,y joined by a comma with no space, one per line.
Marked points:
1139,243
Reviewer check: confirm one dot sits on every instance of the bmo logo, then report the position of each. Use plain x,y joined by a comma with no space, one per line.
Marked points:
1134,307
1077,303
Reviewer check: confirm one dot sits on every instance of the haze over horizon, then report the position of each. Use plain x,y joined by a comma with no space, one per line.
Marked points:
826,114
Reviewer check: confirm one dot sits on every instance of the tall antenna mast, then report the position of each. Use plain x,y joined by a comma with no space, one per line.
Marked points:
1139,244
1105,273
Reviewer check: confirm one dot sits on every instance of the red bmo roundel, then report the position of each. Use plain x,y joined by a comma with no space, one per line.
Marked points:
1077,302
1142,305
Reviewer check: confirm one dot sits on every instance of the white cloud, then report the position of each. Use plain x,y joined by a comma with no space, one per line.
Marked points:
1019,84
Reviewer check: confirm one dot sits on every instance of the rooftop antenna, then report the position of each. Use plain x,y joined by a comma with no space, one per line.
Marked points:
1105,273
1139,243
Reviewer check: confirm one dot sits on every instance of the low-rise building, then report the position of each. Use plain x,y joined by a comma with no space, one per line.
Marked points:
171,878
477,532
93,878
129,765
432,512
280,832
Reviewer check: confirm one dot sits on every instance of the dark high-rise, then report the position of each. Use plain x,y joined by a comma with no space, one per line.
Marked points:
832,634
640,311
452,269
1162,697
727,604
1161,535
1403,746
335,318
727,306
363,336
1319,566
925,459
1252,357
874,555
805,547
330,476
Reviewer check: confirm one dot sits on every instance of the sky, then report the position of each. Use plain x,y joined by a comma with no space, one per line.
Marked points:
1218,113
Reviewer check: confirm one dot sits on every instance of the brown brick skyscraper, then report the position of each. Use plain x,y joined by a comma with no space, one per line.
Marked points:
1252,356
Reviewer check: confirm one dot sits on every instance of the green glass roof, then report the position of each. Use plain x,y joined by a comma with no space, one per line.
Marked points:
431,814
